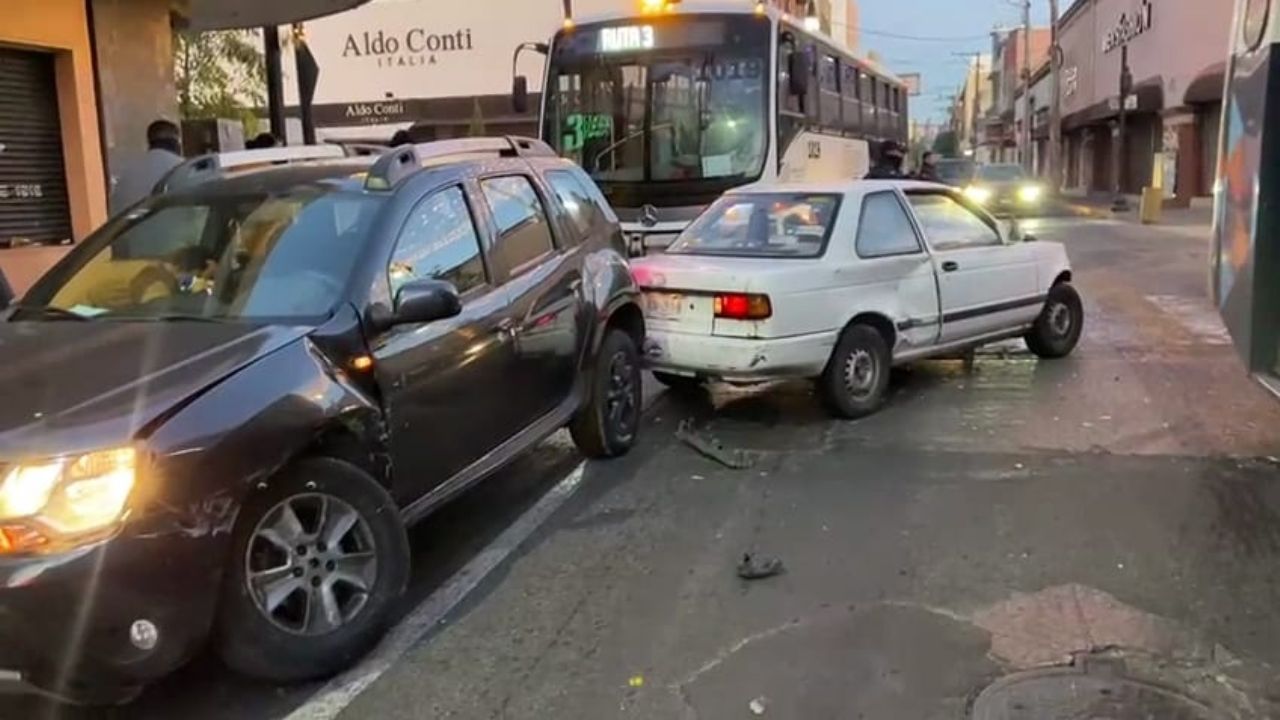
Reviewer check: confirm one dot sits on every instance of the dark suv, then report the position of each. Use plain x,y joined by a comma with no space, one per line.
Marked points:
223,408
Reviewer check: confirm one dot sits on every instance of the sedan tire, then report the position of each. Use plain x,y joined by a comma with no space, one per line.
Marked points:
317,562
606,426
1058,328
856,380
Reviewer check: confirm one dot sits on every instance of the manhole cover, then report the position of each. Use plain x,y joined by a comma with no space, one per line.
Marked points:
1095,691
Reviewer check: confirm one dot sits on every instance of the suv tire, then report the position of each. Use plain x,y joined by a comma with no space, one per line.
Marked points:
606,426
314,501
1058,328
856,380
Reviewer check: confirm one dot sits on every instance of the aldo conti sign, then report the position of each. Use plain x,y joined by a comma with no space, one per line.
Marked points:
409,49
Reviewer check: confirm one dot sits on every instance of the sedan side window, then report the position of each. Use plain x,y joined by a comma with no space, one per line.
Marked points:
524,234
949,225
440,242
884,228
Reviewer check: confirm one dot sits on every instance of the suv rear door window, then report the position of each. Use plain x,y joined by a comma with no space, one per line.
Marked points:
580,204
439,241
524,234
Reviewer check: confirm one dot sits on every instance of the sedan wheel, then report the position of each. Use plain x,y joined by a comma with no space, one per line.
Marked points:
1058,329
857,376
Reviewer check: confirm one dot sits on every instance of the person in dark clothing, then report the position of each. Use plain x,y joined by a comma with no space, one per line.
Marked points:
929,167
262,142
888,165
401,137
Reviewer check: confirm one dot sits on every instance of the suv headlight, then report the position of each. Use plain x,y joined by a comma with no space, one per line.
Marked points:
72,495
1030,193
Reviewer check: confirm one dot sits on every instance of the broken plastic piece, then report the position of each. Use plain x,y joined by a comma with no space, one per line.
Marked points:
752,568
712,448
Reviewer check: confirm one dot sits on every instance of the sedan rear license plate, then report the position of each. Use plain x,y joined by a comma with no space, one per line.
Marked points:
664,305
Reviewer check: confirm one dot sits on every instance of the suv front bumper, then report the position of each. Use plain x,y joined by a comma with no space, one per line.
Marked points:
65,619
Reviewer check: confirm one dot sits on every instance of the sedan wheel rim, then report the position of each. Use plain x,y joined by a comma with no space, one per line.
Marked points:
1060,319
860,373
621,406
311,564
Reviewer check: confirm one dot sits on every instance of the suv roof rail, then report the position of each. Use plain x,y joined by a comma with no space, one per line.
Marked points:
205,167
403,161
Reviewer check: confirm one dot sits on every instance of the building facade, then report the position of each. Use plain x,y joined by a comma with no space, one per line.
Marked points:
80,80
971,106
1002,130
1175,53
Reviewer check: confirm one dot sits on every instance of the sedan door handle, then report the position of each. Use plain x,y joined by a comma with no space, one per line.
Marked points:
507,326
950,266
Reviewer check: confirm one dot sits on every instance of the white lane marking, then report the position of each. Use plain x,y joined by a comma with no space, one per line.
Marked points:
1195,315
341,691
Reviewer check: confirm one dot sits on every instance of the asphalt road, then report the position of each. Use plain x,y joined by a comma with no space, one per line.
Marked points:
987,521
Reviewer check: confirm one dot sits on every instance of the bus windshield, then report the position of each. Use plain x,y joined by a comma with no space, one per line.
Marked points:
688,102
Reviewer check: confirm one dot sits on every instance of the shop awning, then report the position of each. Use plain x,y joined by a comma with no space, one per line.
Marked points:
1208,86
228,14
1150,94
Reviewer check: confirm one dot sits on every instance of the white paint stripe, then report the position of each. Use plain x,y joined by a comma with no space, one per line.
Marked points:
341,691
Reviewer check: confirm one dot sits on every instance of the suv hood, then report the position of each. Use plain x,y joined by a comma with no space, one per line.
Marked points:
69,386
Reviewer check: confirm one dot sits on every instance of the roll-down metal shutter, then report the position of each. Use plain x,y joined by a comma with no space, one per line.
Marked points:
33,183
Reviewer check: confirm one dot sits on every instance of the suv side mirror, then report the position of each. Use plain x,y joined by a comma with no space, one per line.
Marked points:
520,94
422,301
6,292
798,73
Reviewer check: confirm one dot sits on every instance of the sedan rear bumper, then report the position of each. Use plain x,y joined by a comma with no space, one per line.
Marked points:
739,359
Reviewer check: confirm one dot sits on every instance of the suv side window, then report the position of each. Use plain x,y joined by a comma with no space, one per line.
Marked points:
580,203
884,228
949,225
438,241
524,233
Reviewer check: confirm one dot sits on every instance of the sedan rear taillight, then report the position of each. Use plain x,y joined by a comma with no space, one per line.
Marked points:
743,306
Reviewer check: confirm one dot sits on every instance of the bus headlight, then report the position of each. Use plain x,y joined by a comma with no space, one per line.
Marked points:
70,496
978,194
1030,193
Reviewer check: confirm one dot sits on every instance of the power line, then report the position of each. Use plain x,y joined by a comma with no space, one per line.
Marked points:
917,38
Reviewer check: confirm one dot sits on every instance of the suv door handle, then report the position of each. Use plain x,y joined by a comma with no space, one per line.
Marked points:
950,266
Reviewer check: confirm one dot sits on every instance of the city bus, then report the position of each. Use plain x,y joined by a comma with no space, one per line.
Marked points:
670,106
1245,259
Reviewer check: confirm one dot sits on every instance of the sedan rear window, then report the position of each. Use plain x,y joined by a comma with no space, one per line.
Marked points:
762,225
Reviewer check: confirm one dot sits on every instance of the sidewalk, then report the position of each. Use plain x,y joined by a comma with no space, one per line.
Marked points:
24,265
1199,215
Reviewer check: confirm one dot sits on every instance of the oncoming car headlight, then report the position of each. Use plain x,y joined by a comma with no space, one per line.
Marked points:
1030,193
978,194
65,496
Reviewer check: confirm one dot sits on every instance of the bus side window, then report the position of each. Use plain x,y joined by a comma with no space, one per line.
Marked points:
812,102
849,97
829,89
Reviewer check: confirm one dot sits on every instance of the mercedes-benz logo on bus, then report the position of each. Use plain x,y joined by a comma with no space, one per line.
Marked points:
648,216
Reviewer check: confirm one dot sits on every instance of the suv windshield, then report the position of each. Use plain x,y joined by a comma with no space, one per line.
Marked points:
1000,173
761,225
255,257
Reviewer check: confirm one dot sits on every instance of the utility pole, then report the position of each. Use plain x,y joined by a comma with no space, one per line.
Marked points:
1028,118
1121,204
1055,104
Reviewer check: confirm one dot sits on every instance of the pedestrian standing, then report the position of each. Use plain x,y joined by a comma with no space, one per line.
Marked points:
889,162
164,153
929,167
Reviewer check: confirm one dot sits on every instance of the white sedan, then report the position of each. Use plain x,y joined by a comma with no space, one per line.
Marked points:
841,281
